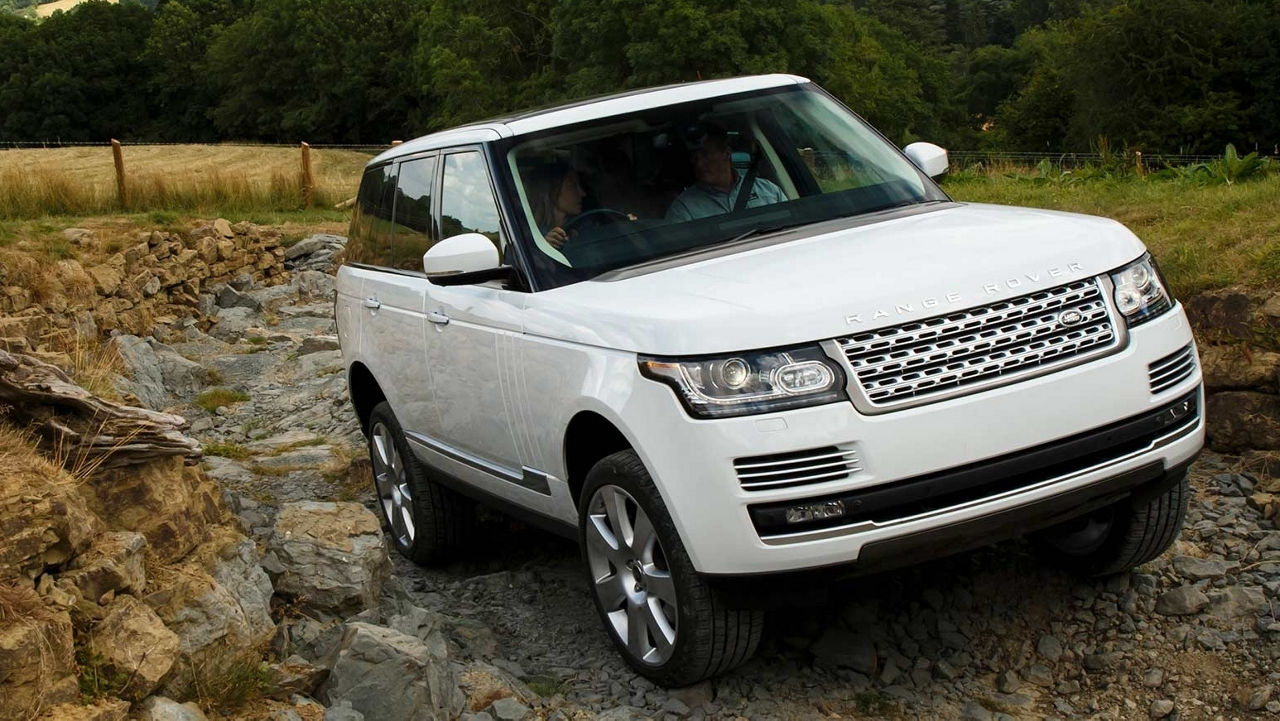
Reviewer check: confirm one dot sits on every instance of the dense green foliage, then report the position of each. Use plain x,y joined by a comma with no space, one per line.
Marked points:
1053,75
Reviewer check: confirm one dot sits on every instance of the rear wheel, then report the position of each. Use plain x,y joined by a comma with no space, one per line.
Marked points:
427,522
664,618
1120,536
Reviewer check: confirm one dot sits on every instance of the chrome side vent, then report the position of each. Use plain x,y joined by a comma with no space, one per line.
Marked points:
1172,369
799,468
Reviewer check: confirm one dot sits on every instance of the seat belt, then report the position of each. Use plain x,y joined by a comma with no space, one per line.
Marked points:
749,181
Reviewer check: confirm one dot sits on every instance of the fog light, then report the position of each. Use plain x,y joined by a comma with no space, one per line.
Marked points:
815,511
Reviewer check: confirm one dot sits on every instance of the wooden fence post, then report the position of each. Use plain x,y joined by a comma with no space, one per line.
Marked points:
118,154
308,183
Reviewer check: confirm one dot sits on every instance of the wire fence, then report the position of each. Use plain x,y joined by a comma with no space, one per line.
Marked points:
968,158
50,144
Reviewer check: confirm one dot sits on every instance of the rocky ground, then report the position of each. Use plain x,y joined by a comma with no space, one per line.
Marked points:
989,634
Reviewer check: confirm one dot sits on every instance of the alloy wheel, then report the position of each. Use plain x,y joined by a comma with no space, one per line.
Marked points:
393,485
630,575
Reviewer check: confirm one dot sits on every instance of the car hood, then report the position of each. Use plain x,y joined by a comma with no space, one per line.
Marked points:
834,284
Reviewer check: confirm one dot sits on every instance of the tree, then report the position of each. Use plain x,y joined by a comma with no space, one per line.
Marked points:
77,75
322,70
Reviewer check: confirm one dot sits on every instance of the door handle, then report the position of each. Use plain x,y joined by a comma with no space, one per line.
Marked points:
372,303
438,318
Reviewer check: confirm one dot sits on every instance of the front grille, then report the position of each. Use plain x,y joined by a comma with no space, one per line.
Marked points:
799,468
1172,369
971,349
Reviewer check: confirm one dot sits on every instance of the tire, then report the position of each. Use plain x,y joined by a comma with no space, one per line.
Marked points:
1118,537
689,633
427,522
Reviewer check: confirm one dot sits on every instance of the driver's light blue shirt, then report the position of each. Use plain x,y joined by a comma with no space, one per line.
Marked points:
701,201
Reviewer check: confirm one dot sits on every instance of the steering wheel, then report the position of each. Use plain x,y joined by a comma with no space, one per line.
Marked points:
597,213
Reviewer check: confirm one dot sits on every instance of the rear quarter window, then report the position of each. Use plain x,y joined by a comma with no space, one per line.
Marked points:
369,240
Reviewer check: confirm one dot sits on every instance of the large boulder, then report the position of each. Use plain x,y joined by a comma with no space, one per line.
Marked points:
333,555
1232,314
168,502
37,659
134,644
386,674
1237,367
218,603
1237,421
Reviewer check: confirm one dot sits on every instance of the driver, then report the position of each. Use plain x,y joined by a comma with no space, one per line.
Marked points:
555,198
717,184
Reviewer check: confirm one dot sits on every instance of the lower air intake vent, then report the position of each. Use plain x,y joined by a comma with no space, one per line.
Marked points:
799,468
1172,369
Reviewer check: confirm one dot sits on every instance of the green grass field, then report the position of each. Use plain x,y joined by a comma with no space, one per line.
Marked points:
1203,236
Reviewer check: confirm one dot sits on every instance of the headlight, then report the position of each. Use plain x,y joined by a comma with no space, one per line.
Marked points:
1140,292
746,383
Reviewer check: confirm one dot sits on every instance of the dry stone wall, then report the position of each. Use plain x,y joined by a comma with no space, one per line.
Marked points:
154,281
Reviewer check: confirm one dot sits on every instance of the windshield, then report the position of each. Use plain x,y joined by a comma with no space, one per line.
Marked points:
626,190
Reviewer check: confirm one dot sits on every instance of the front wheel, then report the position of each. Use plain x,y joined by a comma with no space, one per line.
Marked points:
1119,537
664,618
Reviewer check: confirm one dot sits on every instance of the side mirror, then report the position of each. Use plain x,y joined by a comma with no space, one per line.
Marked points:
928,157
460,255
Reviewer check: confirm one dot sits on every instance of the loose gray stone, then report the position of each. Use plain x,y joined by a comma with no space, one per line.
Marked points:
1049,647
1238,602
1039,675
1161,708
1198,569
1008,682
229,297
159,708
845,649
316,343
1181,601
974,711
307,246
508,709
232,323
1153,677
182,378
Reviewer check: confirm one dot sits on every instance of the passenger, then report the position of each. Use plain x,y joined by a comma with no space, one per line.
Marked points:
717,184
555,196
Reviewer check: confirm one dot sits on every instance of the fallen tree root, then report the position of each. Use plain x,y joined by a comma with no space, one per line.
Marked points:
83,430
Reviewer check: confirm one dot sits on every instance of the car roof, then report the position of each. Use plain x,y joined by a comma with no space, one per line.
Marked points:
587,109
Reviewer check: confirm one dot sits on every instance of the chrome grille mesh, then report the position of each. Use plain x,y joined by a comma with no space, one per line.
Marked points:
798,468
970,349
1172,369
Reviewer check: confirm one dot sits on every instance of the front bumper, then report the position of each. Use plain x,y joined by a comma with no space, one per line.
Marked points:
952,445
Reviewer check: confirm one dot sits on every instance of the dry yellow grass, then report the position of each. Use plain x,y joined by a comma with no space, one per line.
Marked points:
207,178
48,9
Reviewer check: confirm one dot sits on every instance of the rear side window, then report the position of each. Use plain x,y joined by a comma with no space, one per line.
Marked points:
415,228
466,198
371,228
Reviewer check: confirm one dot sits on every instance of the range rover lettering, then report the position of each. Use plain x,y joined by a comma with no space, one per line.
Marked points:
725,330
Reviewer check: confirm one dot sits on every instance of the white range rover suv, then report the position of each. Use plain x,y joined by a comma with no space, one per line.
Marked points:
725,329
